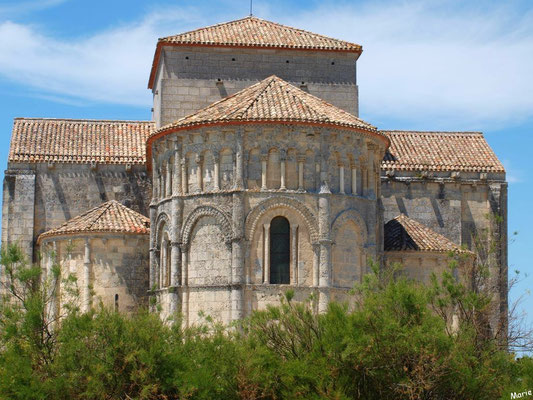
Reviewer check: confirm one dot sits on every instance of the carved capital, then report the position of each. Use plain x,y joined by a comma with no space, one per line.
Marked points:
324,188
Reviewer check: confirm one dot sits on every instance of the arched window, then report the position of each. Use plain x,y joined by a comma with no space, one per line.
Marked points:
280,251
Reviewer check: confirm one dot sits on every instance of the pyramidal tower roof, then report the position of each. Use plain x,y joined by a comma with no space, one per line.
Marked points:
109,217
253,32
256,32
271,100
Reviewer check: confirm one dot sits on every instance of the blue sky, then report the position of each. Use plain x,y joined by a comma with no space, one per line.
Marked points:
435,65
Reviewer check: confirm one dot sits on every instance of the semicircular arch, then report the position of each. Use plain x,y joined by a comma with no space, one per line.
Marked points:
206,211
255,215
162,221
350,215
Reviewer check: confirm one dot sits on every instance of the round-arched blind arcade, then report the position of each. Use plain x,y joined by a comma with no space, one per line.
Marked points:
280,251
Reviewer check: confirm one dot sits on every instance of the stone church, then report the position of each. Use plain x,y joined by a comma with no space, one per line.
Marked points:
255,176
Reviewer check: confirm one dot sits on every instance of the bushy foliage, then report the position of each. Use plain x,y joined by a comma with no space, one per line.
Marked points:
393,342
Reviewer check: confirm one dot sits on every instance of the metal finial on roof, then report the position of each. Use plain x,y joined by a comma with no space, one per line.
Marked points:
251,7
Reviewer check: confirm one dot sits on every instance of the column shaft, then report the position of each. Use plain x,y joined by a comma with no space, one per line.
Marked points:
324,278
239,162
216,178
185,284
153,246
341,179
168,189
176,177
184,177
282,169
294,253
317,176
300,174
86,277
175,256
163,265
237,253
199,176
175,270
154,177
266,267
316,264
263,174
354,180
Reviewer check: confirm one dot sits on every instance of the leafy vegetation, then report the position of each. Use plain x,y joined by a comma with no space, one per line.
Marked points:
395,341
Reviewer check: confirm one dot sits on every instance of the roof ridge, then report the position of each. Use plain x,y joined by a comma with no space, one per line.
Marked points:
105,206
303,100
80,120
272,100
253,17
214,104
79,217
393,131
122,219
301,30
420,225
206,27
307,95
263,90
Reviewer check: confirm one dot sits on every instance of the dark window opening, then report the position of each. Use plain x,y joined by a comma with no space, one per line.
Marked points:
280,251
116,302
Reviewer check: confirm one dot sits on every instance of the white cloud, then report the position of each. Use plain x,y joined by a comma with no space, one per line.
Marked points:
22,7
107,67
444,66
432,66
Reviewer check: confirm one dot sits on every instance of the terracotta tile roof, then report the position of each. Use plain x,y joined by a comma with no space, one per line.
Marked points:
271,100
253,32
439,151
79,141
404,234
256,32
109,217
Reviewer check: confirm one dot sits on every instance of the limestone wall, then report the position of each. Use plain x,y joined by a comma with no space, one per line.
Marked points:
419,266
38,197
191,78
213,216
459,206
454,208
116,265
18,208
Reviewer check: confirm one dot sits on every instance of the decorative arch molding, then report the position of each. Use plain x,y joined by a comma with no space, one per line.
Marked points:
349,215
161,221
281,202
206,211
